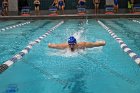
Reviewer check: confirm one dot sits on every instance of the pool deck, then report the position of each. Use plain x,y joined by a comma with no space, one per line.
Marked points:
70,16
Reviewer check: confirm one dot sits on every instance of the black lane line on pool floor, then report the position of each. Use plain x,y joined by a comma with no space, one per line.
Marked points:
110,70
46,73
125,48
26,50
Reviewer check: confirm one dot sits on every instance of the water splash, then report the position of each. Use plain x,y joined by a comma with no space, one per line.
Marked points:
78,35
87,22
67,52
95,50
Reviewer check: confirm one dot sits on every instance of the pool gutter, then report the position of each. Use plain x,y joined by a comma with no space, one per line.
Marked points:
70,16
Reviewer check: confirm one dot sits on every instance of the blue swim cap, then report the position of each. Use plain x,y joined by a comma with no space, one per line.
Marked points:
72,40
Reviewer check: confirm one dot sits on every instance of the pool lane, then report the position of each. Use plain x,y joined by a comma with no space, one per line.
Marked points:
14,40
126,49
126,29
26,50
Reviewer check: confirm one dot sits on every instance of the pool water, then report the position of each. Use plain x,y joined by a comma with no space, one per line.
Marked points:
96,70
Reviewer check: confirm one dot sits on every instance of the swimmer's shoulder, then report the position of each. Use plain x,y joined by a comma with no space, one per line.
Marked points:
81,44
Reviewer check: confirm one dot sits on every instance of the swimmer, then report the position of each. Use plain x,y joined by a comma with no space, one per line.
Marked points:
55,3
116,2
81,2
131,6
61,5
73,45
37,4
96,5
5,8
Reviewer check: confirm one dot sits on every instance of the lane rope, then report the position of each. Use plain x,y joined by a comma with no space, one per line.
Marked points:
136,21
123,45
26,50
14,26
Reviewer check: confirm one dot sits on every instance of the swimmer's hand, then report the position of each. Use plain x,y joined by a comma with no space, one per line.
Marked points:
102,43
49,45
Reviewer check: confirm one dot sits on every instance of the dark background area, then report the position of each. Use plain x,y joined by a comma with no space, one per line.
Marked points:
0,3
69,4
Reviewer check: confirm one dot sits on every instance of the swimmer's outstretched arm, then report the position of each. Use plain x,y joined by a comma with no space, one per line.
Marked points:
91,44
58,46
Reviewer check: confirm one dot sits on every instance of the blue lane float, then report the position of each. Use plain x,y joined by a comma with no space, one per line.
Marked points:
26,50
14,26
125,48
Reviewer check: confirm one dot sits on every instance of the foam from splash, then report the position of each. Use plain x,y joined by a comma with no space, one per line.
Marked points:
66,53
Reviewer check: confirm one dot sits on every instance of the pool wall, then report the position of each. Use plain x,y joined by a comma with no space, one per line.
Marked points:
70,16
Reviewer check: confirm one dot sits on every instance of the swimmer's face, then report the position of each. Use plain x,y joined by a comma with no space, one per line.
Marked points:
72,47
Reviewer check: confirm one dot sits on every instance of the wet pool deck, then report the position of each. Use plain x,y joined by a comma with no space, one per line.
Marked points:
70,16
